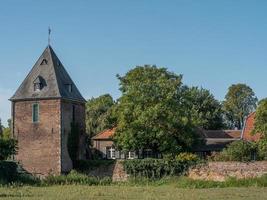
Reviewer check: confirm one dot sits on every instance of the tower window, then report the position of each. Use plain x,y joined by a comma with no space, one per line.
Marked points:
35,113
37,86
38,83
73,113
69,87
44,62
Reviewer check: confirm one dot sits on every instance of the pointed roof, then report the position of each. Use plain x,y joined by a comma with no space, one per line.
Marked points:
49,71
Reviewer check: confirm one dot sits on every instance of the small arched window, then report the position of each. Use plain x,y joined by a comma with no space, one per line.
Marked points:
38,84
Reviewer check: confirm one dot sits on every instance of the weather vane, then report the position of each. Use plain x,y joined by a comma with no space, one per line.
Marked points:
49,33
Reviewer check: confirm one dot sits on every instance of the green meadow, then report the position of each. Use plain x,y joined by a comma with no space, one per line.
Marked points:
129,192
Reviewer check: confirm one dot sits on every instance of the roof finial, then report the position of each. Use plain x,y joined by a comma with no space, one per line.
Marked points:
49,33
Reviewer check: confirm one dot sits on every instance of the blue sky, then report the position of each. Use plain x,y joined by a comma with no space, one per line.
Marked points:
212,43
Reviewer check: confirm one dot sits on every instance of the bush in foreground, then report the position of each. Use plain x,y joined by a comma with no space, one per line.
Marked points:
88,165
8,171
10,174
75,178
236,151
157,168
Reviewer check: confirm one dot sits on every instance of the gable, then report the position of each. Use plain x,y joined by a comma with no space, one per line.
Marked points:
248,127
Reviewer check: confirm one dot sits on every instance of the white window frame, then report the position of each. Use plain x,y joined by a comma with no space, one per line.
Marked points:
111,153
131,155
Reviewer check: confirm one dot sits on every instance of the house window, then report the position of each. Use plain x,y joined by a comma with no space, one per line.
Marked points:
111,153
69,87
131,155
73,113
35,113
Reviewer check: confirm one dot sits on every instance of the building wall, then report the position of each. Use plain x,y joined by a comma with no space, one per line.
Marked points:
67,118
38,143
100,146
221,171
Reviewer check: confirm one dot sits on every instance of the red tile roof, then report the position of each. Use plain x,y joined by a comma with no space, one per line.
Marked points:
248,127
104,135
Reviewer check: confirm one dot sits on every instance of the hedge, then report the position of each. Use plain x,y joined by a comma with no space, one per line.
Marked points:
8,172
157,168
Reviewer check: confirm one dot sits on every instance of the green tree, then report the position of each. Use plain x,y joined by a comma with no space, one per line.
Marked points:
260,124
99,114
6,133
1,127
203,109
7,148
240,100
9,123
150,113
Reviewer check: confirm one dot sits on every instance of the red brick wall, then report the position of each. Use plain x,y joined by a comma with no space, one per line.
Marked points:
66,128
38,143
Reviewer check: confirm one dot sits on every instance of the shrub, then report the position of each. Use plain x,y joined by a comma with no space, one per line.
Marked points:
88,165
262,149
157,168
187,157
235,151
8,172
75,178
8,147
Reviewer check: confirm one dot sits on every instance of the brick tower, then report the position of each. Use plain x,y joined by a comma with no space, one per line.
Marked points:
43,108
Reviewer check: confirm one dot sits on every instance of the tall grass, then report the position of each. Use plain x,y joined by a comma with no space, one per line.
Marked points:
185,182
75,178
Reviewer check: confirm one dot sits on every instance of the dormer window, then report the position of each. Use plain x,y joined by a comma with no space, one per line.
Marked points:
38,84
44,62
69,87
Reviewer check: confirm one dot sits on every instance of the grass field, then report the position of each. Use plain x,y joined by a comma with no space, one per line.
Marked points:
129,192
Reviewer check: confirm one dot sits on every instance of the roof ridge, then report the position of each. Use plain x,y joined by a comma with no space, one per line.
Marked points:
53,66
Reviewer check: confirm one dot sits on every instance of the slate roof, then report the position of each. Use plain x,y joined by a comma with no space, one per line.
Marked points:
223,134
49,70
216,140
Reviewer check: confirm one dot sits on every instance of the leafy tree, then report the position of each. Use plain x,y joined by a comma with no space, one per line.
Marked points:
150,113
240,100
6,133
204,110
7,148
1,127
9,123
262,149
99,114
260,125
